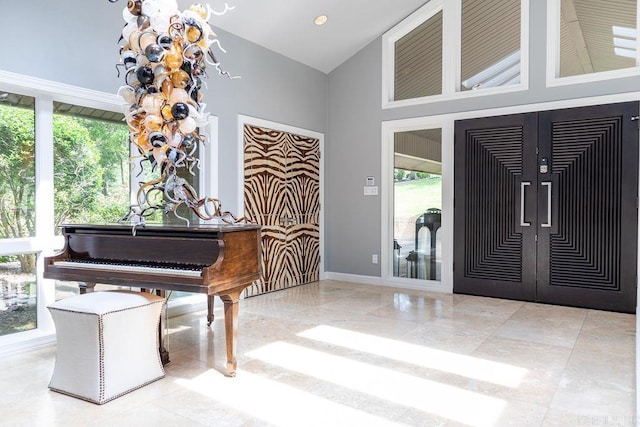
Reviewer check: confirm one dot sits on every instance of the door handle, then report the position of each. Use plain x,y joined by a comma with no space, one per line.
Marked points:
523,185
548,223
287,220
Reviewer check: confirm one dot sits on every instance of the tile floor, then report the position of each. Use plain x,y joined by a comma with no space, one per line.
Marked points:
339,354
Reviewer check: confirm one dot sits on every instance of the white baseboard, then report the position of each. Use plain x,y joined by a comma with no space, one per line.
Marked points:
353,278
377,281
27,342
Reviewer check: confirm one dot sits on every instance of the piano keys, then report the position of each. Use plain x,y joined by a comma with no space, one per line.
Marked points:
137,268
216,260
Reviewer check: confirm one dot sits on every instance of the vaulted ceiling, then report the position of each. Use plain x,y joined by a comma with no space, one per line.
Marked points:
287,26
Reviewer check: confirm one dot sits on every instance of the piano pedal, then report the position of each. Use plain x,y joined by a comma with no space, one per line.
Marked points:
164,356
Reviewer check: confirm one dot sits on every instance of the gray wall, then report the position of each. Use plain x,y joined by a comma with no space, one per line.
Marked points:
76,42
353,149
352,220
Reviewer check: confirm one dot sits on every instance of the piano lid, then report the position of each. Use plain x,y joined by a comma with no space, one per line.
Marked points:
152,229
193,245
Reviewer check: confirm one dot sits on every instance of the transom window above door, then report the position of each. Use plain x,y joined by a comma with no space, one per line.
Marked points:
456,48
591,40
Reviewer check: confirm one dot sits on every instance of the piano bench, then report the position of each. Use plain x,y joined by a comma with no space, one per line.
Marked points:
107,344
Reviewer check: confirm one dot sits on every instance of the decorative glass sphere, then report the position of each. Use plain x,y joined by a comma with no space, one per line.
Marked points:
173,60
165,41
143,22
193,52
145,75
154,52
178,95
157,139
194,33
188,125
188,142
180,111
135,7
128,59
153,123
180,79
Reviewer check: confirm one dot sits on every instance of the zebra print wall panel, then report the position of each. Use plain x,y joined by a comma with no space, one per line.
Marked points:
282,194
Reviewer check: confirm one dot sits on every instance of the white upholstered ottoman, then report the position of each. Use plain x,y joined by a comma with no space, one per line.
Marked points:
107,344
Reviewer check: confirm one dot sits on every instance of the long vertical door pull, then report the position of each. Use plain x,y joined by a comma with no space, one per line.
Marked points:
548,223
523,186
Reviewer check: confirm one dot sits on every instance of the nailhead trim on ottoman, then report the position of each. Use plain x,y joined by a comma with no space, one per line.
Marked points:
107,344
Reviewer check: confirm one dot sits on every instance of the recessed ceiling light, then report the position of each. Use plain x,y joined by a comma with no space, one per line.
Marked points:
320,20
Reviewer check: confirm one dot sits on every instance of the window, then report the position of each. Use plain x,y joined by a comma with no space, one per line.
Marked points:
417,204
18,293
91,170
418,60
69,146
17,166
91,165
490,49
449,49
590,40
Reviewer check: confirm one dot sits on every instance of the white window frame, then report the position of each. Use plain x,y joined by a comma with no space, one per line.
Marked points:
45,242
553,53
451,54
389,129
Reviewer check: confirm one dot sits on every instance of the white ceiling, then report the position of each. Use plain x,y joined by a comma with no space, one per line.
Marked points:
286,26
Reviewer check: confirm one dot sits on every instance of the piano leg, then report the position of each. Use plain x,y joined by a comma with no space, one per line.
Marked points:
210,309
162,325
231,327
86,287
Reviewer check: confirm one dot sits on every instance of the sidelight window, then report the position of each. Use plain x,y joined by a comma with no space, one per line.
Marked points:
417,204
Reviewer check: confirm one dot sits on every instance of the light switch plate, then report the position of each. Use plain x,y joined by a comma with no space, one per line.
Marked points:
371,191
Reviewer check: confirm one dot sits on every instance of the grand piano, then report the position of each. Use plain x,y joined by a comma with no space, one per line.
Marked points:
214,260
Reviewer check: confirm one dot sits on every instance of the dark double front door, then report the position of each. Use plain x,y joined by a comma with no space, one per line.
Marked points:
546,206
